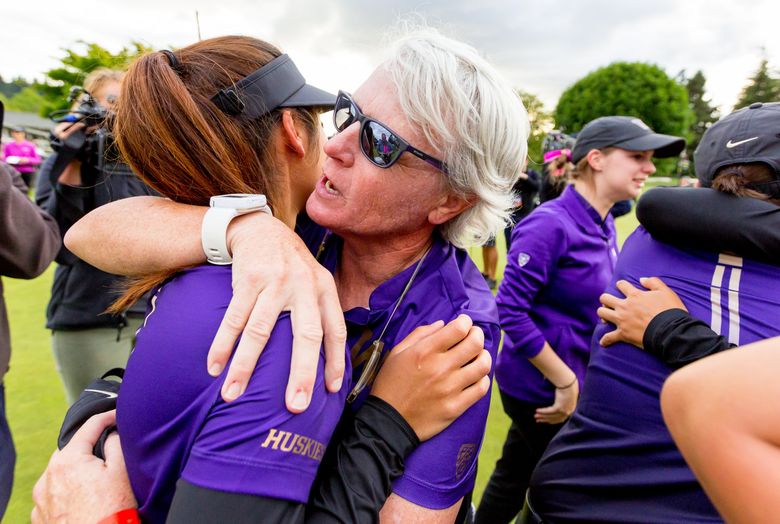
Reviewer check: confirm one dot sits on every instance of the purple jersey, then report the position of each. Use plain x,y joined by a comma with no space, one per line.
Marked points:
174,423
615,461
560,261
441,470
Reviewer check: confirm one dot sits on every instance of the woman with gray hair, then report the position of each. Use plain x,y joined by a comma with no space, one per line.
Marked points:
390,228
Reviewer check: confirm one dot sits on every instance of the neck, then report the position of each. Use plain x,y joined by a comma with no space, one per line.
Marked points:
368,262
286,207
601,203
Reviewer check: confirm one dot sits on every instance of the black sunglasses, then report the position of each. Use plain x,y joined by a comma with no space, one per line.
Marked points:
381,145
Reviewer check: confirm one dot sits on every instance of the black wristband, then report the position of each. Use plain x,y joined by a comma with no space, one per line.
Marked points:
396,432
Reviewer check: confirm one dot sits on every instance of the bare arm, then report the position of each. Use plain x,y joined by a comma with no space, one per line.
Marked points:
723,415
398,510
273,272
138,236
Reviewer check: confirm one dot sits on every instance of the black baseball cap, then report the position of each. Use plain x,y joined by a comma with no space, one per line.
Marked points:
749,135
625,132
277,84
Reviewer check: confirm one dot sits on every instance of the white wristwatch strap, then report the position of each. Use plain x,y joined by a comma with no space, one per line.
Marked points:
214,229
213,235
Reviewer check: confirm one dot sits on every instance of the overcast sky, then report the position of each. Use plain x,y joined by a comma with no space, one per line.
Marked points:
542,46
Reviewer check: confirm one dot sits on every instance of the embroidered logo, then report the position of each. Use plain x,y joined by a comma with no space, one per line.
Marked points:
522,259
730,144
465,454
637,122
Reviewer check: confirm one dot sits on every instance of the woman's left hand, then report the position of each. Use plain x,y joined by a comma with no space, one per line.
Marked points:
563,406
79,487
631,315
435,374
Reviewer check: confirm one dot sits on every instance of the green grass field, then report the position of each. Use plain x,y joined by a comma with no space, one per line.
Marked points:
36,401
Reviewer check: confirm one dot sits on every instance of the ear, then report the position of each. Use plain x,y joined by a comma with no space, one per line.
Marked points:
449,207
595,159
290,132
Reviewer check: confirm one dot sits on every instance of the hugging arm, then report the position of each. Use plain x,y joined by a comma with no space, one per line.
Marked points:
726,403
450,365
144,235
713,221
656,320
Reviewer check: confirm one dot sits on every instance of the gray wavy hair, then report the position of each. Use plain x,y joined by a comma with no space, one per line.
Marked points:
470,113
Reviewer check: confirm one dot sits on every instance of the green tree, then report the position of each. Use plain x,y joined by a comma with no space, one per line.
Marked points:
704,114
541,123
28,100
77,64
9,89
761,87
632,89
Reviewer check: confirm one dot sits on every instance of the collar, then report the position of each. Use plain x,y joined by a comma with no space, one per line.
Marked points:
383,298
586,215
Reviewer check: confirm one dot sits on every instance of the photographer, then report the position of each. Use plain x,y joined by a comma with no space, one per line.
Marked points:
85,173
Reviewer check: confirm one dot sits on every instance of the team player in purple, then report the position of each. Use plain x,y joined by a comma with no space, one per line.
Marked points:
615,460
562,257
395,225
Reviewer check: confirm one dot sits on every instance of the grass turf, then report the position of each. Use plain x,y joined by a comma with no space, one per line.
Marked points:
36,402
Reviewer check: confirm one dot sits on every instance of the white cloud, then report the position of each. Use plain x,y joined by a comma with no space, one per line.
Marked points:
542,47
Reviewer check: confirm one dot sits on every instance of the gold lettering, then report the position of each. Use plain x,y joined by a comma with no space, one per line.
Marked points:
307,449
300,444
284,447
288,442
274,436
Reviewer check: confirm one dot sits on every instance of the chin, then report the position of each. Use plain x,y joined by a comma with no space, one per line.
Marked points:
319,212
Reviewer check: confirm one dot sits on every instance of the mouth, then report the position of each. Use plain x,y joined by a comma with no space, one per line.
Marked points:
329,187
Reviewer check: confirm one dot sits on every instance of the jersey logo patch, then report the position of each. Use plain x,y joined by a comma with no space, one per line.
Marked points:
465,454
522,259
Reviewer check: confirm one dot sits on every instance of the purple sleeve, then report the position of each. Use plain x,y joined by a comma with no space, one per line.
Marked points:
442,470
537,244
253,445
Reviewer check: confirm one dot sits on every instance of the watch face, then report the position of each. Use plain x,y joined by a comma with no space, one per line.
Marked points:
239,201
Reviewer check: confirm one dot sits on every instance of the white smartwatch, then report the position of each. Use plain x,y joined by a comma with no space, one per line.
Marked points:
223,209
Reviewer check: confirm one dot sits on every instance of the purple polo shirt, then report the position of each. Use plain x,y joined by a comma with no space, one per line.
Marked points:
615,461
174,423
441,470
561,259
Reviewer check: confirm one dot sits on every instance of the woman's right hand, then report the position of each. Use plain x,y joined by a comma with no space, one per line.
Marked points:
563,406
435,374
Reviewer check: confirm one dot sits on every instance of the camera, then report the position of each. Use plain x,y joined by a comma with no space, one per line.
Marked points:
93,145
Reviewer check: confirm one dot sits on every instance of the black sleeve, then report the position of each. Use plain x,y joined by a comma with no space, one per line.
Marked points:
710,220
363,460
193,504
678,339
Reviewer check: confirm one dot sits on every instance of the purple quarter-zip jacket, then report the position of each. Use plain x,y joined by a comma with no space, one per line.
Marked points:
562,258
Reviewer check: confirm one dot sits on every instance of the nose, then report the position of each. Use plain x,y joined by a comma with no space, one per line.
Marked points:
342,146
650,169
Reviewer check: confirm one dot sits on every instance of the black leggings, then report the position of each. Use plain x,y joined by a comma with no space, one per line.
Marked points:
526,440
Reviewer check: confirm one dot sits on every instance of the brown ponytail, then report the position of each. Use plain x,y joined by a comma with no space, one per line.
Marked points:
736,180
180,144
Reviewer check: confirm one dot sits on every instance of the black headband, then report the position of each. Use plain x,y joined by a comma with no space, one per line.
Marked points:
262,91
175,64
